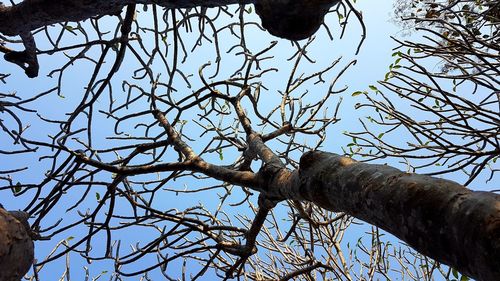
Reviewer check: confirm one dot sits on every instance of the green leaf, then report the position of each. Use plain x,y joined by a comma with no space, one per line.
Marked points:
221,156
373,87
97,196
70,29
454,272
357,93
398,53
17,188
464,278
387,76
70,238
380,135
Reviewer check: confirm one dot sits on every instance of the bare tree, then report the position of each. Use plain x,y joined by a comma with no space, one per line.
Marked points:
144,125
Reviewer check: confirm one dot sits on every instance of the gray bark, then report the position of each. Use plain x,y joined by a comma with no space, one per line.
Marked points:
30,15
439,218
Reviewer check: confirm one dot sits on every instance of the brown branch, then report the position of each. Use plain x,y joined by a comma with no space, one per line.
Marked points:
304,270
465,235
245,251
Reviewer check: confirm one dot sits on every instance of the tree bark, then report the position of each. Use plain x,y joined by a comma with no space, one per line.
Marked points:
439,218
16,246
33,14
290,19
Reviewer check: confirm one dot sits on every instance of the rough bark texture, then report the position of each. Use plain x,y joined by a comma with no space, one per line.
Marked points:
16,246
295,20
30,15
439,218
289,19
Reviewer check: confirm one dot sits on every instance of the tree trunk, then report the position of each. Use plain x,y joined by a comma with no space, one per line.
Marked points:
16,246
437,217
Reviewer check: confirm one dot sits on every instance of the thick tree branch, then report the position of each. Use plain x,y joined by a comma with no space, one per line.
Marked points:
30,15
439,218
293,20
196,163
26,59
